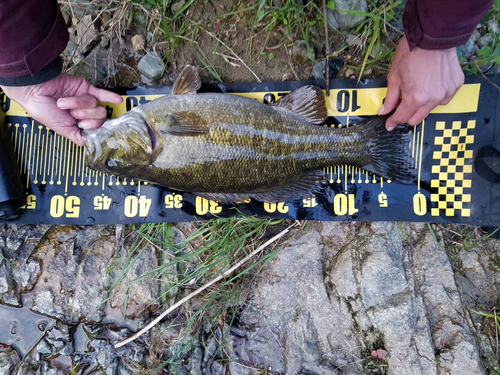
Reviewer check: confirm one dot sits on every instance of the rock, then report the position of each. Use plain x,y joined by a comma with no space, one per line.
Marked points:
127,360
106,17
21,272
105,42
138,43
151,66
345,21
9,358
319,70
88,34
493,26
475,36
177,6
354,41
74,275
68,20
299,52
485,40
149,37
349,72
356,288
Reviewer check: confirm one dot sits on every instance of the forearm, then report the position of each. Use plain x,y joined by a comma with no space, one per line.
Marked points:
33,35
441,24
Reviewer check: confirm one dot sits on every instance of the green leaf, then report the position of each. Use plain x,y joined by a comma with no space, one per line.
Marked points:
270,56
331,4
260,14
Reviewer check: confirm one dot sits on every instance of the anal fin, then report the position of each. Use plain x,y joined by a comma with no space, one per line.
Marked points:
299,189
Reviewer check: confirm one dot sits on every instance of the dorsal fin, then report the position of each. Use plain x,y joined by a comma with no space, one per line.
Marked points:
188,81
307,101
184,123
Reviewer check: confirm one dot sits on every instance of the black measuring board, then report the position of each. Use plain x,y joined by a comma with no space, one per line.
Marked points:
448,188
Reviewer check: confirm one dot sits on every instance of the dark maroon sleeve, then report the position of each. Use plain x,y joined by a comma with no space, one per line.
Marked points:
32,36
440,24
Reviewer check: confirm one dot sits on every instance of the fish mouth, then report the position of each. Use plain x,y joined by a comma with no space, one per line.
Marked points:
120,132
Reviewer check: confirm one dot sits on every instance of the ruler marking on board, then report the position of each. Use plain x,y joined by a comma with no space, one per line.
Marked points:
76,165
29,156
53,159
82,167
37,141
422,129
59,155
67,170
23,148
44,181
15,139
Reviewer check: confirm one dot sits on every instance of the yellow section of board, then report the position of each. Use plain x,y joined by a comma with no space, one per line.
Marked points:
341,102
454,156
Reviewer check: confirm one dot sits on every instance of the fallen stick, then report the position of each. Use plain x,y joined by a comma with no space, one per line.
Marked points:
198,291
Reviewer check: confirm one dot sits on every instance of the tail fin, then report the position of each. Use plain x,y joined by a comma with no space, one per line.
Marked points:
389,153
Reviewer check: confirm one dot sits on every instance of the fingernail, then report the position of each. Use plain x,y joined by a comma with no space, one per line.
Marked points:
62,103
381,110
390,128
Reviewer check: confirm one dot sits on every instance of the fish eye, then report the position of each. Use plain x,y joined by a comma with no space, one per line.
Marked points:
110,163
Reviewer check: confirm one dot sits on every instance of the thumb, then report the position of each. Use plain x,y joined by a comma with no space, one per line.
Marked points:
391,99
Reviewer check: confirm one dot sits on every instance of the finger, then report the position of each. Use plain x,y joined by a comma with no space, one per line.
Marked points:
105,96
90,124
72,133
402,115
420,115
392,97
77,102
97,113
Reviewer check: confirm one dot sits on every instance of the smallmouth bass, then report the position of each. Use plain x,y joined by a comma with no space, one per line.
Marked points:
230,148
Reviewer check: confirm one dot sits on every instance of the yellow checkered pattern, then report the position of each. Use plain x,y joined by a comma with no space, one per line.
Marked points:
450,183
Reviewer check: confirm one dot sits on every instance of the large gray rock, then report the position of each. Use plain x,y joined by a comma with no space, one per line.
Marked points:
338,19
335,295
74,274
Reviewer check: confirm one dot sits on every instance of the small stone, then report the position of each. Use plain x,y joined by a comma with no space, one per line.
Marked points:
106,17
177,6
475,36
299,52
87,31
343,20
493,26
151,66
67,18
336,64
149,37
349,72
138,43
485,40
104,42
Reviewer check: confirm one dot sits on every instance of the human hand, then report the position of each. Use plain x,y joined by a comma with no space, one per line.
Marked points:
65,104
424,79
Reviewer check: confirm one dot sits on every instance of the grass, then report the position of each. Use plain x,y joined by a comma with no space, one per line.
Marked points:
203,255
488,54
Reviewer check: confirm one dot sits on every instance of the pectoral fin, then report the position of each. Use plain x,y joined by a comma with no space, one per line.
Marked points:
184,123
307,101
188,81
303,187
